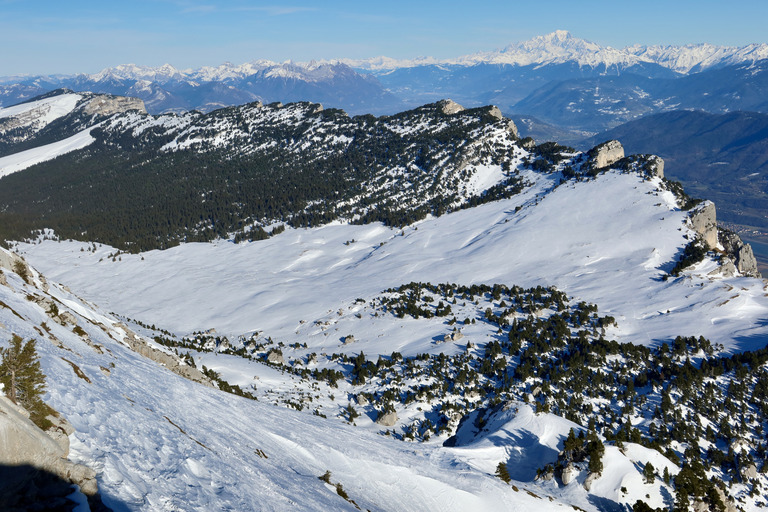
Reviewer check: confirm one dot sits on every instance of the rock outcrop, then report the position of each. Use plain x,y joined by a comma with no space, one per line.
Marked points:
275,357
568,474
454,335
605,154
32,464
740,253
703,219
387,419
105,105
590,480
656,165
171,362
449,107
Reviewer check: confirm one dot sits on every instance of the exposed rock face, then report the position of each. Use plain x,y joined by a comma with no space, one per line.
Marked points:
24,445
704,222
657,164
275,357
569,473
449,107
606,154
171,362
8,260
387,419
454,335
590,480
741,253
749,472
727,268
730,505
107,105
348,339
494,111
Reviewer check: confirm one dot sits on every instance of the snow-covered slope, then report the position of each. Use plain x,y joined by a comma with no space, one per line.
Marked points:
527,441
25,159
36,115
698,57
607,241
159,442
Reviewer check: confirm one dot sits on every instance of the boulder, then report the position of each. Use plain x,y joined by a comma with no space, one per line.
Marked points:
454,335
569,473
275,357
387,419
348,339
703,220
749,472
361,400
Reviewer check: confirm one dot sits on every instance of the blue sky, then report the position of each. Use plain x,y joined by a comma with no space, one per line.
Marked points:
46,37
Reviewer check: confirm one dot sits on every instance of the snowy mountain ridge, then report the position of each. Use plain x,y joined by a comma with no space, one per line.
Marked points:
561,46
441,268
554,48
317,296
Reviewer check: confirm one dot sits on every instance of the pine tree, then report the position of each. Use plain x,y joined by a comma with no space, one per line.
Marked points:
22,378
648,473
501,472
595,451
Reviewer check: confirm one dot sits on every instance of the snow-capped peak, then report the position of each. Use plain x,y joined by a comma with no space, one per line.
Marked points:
135,72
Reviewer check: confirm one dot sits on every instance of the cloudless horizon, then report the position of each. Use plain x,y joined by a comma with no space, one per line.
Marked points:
84,36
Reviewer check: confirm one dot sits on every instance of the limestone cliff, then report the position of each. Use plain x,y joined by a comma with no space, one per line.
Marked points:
34,467
605,154
737,254
106,105
740,253
704,222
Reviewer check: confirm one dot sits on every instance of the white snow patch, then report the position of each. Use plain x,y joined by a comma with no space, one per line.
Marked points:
25,159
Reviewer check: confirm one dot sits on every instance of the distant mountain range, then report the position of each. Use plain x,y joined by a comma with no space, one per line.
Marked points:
562,80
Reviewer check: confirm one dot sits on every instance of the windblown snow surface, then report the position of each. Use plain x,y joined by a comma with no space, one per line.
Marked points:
42,112
36,115
162,443
25,159
609,241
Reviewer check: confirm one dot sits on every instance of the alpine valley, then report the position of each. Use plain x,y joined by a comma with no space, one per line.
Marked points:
285,307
